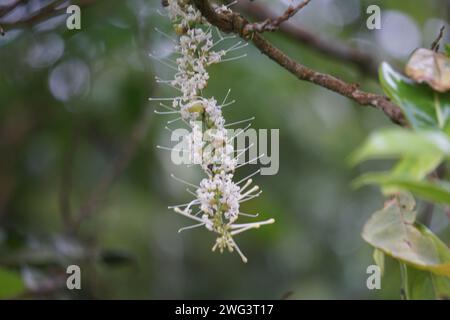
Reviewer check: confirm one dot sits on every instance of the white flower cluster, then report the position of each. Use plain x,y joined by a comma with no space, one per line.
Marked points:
218,197
219,193
195,55
183,14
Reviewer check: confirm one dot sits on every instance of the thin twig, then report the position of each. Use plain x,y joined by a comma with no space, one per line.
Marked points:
332,48
4,10
51,10
235,23
435,44
43,12
273,24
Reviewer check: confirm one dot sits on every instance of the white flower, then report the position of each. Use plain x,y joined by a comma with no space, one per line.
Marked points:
195,144
182,11
214,113
208,222
218,197
195,55
218,194
218,156
223,9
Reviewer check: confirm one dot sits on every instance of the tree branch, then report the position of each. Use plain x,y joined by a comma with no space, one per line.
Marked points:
44,12
272,24
329,47
235,23
48,11
4,10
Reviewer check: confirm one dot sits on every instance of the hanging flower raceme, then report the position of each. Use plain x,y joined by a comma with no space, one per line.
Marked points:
216,205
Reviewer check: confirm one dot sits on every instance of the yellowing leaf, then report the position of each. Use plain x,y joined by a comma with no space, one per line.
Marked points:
433,68
394,231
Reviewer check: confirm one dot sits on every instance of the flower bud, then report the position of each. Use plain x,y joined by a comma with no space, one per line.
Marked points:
196,106
179,29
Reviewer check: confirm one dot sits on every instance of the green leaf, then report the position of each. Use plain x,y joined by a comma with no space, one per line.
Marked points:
398,142
11,284
433,191
441,287
447,49
423,107
417,167
394,231
426,285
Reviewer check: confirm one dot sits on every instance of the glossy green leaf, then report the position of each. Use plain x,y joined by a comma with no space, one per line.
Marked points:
398,142
423,107
11,284
394,231
412,168
438,192
420,152
417,167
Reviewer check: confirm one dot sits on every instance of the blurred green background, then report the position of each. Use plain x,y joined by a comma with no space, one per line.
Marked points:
74,109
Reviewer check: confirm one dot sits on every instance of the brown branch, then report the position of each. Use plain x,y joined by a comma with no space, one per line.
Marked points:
235,23
329,47
270,24
46,12
4,10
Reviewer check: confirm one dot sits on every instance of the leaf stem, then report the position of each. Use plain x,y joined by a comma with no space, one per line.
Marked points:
404,279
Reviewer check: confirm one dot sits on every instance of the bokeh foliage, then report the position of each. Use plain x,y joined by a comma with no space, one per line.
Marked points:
129,247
